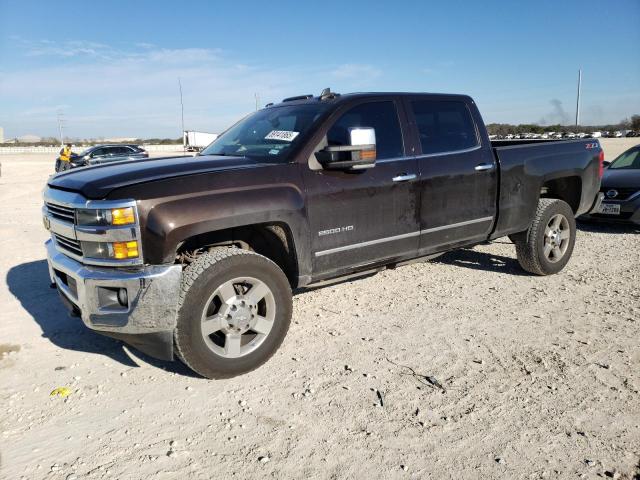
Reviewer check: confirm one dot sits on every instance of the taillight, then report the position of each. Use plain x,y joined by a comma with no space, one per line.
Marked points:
601,163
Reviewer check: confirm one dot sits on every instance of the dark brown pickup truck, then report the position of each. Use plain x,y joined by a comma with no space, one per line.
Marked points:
197,256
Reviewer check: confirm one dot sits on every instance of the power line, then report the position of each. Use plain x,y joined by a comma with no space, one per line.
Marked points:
578,100
61,122
182,114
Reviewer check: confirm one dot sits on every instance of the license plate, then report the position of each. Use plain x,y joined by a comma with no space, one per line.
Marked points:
609,209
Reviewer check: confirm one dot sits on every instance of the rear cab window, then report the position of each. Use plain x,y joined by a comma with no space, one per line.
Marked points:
444,126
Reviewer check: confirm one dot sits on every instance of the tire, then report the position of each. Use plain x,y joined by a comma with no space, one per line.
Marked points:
532,246
200,299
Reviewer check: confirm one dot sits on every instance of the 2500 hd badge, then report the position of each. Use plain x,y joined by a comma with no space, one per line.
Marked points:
331,231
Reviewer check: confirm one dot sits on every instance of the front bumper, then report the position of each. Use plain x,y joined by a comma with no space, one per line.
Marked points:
147,317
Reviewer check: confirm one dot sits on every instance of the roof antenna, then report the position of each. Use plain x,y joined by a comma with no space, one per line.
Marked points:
327,93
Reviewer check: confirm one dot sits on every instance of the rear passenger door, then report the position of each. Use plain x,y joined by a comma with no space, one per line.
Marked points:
458,178
121,153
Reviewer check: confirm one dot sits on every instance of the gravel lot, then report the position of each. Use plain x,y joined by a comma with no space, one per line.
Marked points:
462,367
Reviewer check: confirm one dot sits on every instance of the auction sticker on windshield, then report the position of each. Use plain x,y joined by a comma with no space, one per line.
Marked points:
284,135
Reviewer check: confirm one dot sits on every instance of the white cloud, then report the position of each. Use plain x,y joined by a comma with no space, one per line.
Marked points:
132,90
144,45
105,91
66,49
356,71
44,110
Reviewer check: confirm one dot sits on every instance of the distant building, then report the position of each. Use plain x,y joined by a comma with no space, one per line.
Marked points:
1,135
29,139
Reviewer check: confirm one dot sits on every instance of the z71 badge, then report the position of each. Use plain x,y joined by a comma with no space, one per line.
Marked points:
331,231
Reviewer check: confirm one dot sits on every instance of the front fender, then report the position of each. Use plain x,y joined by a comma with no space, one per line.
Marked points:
175,209
173,221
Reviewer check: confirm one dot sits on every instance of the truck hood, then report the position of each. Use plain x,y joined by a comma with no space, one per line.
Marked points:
621,178
98,181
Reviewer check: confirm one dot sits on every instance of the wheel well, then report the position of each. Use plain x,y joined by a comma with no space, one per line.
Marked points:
568,189
272,240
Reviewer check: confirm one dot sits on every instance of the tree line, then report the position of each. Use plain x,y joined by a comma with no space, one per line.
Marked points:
632,123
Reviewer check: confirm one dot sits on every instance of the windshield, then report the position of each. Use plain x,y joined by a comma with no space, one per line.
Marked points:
629,160
269,134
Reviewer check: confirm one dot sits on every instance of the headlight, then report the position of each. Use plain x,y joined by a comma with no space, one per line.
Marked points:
115,250
105,217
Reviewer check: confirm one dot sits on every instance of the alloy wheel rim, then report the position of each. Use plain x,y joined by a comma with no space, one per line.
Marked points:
238,317
557,234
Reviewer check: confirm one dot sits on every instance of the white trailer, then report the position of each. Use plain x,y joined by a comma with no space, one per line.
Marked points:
196,141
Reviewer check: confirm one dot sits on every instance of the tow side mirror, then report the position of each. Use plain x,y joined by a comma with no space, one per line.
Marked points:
358,155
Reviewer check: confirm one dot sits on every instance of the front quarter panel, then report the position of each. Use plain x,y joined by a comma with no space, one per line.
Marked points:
175,209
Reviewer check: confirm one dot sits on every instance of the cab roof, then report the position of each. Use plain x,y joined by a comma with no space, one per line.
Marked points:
332,97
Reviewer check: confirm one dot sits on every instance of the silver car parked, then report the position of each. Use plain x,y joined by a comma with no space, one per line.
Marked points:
99,154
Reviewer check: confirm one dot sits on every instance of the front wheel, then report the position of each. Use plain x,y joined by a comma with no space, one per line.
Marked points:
546,247
234,312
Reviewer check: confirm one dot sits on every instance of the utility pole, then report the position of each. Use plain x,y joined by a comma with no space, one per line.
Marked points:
257,100
61,127
182,115
578,100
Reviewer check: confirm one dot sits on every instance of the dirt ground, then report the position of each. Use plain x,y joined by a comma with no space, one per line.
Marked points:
462,367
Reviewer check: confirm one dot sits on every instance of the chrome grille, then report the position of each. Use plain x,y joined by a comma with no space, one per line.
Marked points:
60,208
69,244
66,214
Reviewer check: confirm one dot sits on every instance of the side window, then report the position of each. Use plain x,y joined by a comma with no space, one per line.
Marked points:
120,151
98,152
444,126
382,116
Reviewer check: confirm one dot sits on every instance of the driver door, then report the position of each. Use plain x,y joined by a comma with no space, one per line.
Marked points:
364,217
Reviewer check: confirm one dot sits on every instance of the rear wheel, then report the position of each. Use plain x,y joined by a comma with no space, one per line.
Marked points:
546,247
234,312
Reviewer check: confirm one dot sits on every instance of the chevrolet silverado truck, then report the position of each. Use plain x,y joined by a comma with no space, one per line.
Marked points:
197,257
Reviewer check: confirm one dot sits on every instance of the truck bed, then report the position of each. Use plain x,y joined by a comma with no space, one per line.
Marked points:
528,167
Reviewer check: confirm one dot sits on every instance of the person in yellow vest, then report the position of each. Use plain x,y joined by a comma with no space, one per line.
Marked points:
64,160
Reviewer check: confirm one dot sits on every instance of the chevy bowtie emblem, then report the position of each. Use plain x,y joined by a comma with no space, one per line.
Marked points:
46,222
612,194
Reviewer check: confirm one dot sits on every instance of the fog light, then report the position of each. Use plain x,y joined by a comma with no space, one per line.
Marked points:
123,298
123,250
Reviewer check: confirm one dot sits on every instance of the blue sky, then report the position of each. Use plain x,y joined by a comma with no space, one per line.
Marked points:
111,67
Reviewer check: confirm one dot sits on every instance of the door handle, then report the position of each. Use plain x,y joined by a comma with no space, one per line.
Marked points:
483,167
404,177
